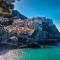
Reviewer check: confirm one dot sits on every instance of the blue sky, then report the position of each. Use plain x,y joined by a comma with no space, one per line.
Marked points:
47,8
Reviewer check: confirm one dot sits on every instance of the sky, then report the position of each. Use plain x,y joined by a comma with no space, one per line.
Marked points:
45,8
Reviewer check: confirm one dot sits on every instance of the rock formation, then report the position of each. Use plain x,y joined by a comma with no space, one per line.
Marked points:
17,30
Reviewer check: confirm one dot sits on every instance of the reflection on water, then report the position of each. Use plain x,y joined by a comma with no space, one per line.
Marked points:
31,54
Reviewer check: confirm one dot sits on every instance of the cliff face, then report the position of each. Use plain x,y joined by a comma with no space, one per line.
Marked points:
16,28
46,30
37,29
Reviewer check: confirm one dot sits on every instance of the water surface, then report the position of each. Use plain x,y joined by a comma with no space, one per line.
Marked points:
41,54
32,54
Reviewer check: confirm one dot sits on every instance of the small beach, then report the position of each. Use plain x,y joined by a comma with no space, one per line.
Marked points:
9,54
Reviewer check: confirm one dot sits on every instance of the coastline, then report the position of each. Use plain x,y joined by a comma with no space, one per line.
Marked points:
10,55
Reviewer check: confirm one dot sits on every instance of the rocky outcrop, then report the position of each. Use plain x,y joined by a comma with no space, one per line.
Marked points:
44,32
16,29
18,15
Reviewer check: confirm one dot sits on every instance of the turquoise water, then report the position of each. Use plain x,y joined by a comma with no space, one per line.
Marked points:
40,54
31,54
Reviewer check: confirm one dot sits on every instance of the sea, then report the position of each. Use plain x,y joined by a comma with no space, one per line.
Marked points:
52,53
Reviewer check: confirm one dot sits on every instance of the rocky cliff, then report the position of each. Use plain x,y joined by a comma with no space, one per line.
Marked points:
24,31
